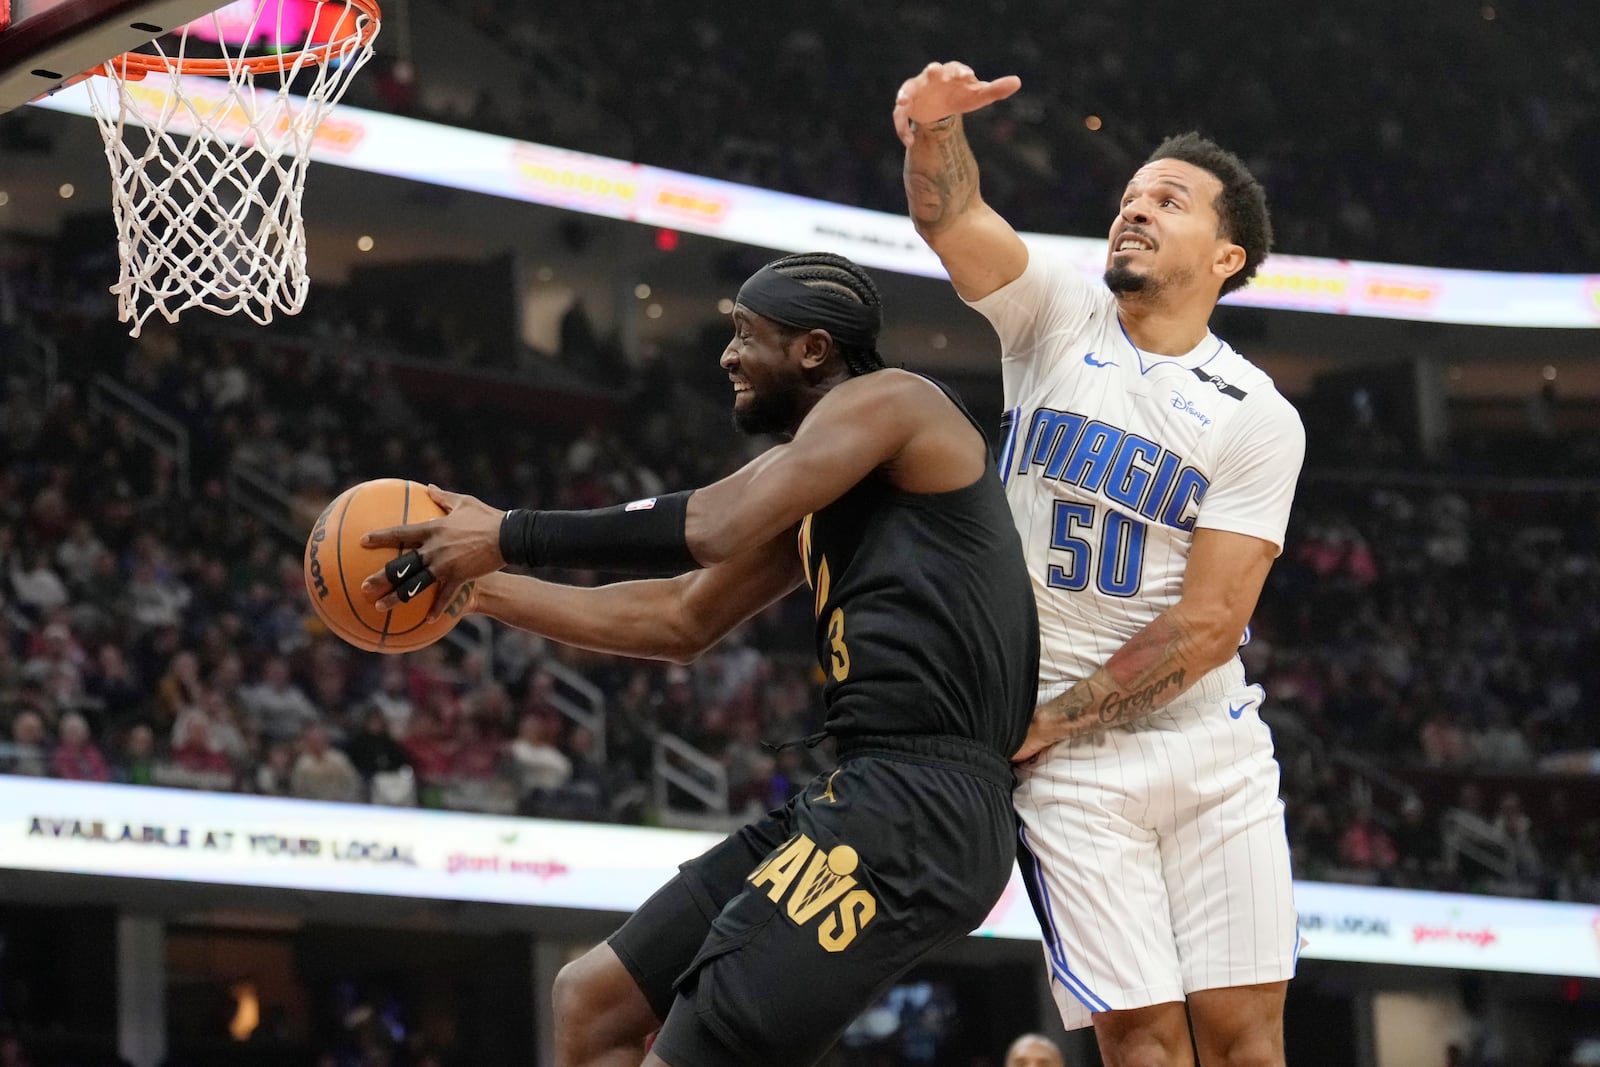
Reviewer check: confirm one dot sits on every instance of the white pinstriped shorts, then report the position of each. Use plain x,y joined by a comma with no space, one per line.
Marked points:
1159,859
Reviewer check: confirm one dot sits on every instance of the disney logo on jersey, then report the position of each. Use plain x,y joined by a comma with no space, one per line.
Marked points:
1185,405
1132,471
821,887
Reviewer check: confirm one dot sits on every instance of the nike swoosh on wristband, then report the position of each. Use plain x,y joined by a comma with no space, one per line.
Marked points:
416,588
401,572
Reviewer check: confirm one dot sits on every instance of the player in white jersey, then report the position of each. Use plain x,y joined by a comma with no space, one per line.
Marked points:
1150,470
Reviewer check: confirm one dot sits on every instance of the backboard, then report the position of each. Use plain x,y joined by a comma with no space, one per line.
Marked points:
47,42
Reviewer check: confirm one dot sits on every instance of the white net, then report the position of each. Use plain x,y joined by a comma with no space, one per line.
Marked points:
207,172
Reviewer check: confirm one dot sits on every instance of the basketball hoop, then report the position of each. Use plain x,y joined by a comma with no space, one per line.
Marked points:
207,199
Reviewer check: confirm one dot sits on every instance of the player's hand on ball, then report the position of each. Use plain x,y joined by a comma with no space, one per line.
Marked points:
451,552
944,89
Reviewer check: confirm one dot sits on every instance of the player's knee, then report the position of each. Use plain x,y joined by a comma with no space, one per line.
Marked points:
597,1008
1249,1050
1144,1054
1146,1038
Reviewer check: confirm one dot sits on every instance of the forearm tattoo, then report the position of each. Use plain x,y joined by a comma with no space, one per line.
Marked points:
1145,675
941,176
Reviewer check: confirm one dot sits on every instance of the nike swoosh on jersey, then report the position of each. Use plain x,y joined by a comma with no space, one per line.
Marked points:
1091,361
1235,712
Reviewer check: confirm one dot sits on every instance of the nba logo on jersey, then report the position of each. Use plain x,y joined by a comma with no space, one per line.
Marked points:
641,505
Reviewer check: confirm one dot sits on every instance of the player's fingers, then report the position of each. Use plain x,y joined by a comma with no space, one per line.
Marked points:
396,536
407,589
1000,88
394,572
444,498
443,599
902,120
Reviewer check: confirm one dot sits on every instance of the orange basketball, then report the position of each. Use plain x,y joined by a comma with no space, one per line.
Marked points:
336,565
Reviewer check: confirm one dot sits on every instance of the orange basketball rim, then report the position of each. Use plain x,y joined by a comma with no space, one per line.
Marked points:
349,31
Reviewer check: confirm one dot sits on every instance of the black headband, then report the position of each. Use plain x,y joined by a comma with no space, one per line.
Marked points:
795,304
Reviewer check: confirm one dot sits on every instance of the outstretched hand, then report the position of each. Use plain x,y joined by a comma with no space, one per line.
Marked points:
944,89
452,551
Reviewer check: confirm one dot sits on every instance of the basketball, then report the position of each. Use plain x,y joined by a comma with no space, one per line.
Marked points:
336,565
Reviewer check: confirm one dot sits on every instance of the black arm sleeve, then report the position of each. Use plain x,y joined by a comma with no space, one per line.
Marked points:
646,536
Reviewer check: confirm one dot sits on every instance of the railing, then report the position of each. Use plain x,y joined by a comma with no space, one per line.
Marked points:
575,697
1366,775
149,424
579,700
38,352
678,764
253,490
1465,834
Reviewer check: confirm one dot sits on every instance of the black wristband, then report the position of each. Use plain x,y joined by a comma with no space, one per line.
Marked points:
646,536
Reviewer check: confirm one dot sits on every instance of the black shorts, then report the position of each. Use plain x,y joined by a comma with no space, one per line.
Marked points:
762,950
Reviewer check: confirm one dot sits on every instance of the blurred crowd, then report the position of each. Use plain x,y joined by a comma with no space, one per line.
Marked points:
1430,650
1382,133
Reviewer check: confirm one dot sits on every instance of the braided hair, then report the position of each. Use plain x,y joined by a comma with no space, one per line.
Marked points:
841,278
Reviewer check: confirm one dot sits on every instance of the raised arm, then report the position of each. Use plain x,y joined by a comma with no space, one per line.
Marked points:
1221,585
979,249
673,619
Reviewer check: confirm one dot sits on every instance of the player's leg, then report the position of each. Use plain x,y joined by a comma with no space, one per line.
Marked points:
609,1001
602,1016
1229,879
1153,1036
1093,872
894,861
1241,1026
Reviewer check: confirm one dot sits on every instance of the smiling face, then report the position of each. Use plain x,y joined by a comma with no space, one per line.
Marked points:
1167,238
766,369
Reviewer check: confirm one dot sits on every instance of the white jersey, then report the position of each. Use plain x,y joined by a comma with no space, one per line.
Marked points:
1155,853
1113,456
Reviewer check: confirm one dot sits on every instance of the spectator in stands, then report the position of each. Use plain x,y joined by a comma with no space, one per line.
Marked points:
1366,846
1444,741
374,750
274,775
1416,843
586,794
35,586
136,764
392,697
76,756
1034,1050
56,657
28,746
113,685
749,765
1500,746
541,767
194,763
432,746
322,772
79,555
277,707
180,688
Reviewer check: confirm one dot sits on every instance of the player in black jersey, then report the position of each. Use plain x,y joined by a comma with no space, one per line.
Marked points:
886,502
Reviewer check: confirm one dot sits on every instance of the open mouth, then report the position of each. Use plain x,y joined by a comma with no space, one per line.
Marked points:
1133,242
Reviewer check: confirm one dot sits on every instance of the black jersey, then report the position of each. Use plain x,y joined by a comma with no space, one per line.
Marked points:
925,616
